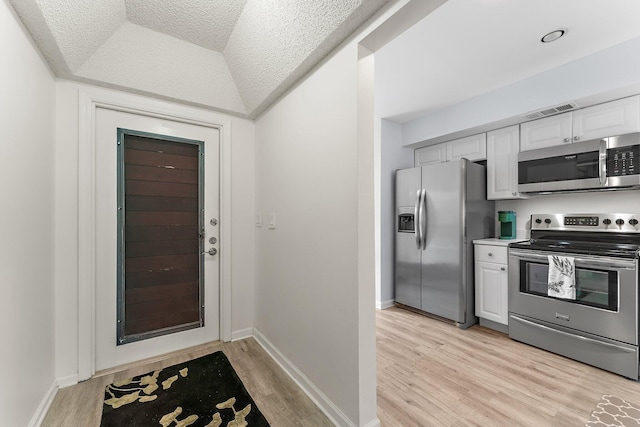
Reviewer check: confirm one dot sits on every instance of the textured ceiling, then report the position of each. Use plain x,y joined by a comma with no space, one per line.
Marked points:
231,55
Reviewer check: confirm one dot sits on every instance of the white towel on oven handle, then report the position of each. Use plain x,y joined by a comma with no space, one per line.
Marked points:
562,277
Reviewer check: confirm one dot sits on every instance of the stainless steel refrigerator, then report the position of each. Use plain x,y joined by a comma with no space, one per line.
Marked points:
440,210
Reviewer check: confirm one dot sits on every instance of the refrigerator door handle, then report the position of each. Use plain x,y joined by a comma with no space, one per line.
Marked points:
423,220
416,219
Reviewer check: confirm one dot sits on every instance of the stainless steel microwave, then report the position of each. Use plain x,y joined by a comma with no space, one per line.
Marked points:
603,164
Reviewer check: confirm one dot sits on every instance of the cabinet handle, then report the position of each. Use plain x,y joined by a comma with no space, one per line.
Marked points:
503,269
576,138
490,254
566,140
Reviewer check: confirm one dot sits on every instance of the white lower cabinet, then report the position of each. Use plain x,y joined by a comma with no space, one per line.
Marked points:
491,283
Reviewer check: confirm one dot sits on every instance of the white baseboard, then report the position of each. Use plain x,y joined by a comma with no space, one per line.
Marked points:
381,305
318,397
43,407
241,334
67,381
373,423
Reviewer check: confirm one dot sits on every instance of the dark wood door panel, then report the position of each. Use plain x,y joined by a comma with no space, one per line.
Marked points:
139,295
169,232
160,204
163,263
161,174
164,320
159,307
162,189
155,248
150,158
145,218
160,146
145,279
161,248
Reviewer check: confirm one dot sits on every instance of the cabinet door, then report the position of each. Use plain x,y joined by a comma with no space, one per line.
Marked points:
609,119
547,132
472,148
433,154
502,163
492,292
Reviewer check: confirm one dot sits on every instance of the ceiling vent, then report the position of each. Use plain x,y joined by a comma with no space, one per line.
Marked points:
552,110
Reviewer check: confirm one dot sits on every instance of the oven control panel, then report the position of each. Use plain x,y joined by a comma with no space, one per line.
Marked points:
588,221
608,222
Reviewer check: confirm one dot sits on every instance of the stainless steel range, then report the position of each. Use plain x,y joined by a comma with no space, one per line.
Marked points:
598,325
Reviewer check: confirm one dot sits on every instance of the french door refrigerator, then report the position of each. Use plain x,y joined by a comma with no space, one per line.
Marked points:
440,210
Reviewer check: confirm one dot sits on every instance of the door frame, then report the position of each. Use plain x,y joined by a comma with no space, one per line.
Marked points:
89,100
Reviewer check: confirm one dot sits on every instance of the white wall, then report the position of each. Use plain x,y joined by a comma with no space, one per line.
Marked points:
308,300
605,75
306,268
66,208
393,156
602,202
26,225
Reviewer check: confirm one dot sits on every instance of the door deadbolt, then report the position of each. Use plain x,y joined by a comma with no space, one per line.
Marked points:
211,252
213,240
213,221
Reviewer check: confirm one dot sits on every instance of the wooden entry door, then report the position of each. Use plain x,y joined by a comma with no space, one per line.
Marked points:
151,242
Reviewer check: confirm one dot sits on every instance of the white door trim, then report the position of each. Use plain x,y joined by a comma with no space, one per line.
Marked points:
88,101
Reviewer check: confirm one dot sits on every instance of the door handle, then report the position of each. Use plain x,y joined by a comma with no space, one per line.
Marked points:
416,219
211,252
423,219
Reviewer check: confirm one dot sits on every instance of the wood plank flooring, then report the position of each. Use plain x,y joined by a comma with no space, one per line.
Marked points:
279,399
431,373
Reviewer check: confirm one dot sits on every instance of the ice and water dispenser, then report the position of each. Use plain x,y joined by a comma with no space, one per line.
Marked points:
406,223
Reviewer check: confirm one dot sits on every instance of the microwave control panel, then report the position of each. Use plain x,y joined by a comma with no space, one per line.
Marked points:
623,161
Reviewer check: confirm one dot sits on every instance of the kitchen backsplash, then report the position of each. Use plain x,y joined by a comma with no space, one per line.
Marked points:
592,202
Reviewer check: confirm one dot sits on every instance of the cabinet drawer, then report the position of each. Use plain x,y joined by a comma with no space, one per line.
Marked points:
490,253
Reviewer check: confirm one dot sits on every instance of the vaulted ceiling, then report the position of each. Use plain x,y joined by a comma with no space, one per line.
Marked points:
236,56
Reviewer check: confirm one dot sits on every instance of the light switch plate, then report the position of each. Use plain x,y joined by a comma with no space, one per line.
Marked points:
258,219
272,220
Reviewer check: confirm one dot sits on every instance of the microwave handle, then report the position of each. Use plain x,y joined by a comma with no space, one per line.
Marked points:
602,162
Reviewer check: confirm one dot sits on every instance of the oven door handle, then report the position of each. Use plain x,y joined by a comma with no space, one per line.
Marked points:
603,262
567,334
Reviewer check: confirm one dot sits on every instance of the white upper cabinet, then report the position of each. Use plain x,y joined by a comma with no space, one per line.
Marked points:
432,154
502,163
608,119
471,147
547,132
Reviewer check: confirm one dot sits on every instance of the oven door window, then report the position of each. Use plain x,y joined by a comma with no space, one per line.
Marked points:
595,288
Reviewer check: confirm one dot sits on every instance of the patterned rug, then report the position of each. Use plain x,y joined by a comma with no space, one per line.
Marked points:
202,392
612,411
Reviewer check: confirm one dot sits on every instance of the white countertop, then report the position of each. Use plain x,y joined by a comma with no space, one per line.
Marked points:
497,242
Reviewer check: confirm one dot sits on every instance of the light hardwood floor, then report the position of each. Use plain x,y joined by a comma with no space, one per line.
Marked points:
431,373
279,399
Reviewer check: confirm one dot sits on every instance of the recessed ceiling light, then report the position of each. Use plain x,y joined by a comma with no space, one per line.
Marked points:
553,36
